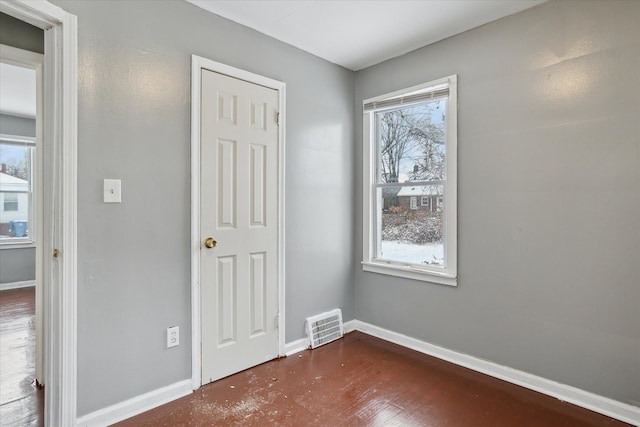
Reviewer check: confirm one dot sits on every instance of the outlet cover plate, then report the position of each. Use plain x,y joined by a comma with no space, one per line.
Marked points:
173,336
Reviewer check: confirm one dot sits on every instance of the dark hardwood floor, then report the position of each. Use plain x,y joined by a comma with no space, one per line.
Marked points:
357,381
21,403
363,381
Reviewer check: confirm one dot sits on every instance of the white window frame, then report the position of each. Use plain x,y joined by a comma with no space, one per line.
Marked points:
448,274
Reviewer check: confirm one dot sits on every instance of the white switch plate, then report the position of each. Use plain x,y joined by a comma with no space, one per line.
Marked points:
112,191
173,336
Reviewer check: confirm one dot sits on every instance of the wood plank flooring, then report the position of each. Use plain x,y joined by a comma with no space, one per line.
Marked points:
363,381
21,403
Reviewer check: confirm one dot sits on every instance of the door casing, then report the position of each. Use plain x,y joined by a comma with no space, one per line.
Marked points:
197,64
60,203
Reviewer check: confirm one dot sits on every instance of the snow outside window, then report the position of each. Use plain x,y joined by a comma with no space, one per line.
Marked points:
410,140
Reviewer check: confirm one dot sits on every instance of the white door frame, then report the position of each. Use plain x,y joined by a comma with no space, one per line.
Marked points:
60,203
197,64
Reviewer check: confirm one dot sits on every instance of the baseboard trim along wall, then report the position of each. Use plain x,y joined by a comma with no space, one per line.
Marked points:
603,405
296,346
137,405
17,285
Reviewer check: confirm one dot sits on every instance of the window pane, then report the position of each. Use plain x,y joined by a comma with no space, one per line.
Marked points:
411,143
10,202
411,147
15,190
409,232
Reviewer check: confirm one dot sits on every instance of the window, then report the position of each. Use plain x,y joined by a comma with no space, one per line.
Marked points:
16,195
11,202
410,201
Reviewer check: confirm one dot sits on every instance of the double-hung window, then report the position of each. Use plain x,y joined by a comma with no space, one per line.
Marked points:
409,185
16,189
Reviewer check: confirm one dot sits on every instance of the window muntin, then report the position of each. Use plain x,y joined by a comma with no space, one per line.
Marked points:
410,183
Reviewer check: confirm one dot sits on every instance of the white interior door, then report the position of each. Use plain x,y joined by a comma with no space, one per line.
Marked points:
239,221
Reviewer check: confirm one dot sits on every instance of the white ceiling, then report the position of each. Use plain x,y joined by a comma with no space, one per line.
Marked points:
18,89
359,33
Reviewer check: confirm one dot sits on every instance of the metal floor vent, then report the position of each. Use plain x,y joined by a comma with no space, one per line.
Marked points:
325,327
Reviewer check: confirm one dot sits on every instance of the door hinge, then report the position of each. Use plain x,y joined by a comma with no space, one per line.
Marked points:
277,321
56,253
278,119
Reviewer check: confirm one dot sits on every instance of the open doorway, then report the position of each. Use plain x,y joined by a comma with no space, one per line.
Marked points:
21,220
59,171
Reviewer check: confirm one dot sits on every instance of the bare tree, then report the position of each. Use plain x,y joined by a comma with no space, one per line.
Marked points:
431,165
396,133
412,138
18,168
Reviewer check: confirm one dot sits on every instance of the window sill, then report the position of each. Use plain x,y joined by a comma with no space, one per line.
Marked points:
16,244
407,272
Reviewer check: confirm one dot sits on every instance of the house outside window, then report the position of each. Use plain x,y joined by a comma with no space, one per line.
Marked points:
410,182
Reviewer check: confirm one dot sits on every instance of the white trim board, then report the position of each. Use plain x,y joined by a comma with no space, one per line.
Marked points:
17,285
137,405
296,346
197,64
603,405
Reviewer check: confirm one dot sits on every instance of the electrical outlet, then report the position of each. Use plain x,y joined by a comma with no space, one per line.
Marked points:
173,336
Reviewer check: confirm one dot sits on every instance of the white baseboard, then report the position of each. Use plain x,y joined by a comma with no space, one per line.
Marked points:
296,346
603,405
17,285
137,405
350,326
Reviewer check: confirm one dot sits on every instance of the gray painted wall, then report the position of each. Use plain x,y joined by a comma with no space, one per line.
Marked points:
16,33
134,121
549,197
17,265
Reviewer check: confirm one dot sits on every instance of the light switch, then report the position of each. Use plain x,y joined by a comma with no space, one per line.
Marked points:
112,191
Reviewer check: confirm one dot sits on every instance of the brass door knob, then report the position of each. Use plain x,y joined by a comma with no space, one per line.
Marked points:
210,242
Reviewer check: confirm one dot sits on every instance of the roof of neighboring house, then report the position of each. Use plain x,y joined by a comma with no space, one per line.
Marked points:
11,183
422,190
